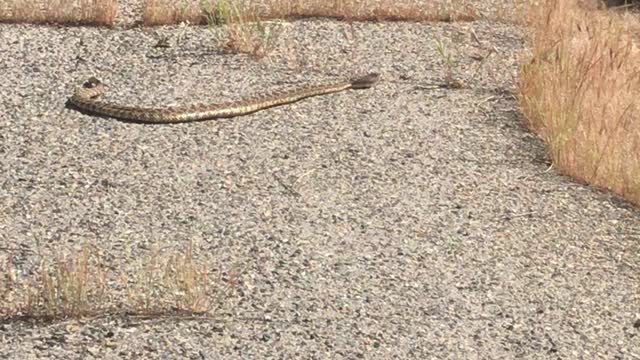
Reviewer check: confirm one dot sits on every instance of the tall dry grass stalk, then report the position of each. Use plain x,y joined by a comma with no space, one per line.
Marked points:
79,12
579,92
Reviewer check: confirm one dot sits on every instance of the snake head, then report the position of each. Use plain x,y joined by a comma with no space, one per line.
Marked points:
92,82
365,82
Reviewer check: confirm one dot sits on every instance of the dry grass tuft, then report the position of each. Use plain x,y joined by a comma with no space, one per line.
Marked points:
70,286
175,282
82,285
78,12
579,92
244,30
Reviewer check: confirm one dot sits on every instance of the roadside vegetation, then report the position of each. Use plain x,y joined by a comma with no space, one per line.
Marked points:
77,12
81,284
248,27
578,90
162,12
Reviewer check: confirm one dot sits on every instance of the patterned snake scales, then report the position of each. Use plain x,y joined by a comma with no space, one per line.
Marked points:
84,99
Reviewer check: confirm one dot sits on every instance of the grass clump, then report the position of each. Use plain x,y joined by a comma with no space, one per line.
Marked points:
173,282
69,286
578,91
450,65
245,32
243,29
81,284
77,12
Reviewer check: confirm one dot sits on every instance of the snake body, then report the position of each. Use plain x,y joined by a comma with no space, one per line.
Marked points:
85,98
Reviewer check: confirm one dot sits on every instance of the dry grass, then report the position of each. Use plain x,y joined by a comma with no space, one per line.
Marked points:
70,286
174,281
370,10
83,285
579,92
162,12
246,31
79,12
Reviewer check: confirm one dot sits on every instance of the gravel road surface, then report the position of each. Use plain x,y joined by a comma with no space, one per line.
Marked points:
403,221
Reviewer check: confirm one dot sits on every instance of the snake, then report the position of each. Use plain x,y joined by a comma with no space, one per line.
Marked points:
86,98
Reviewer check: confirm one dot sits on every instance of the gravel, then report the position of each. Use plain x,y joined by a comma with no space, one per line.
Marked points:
404,221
